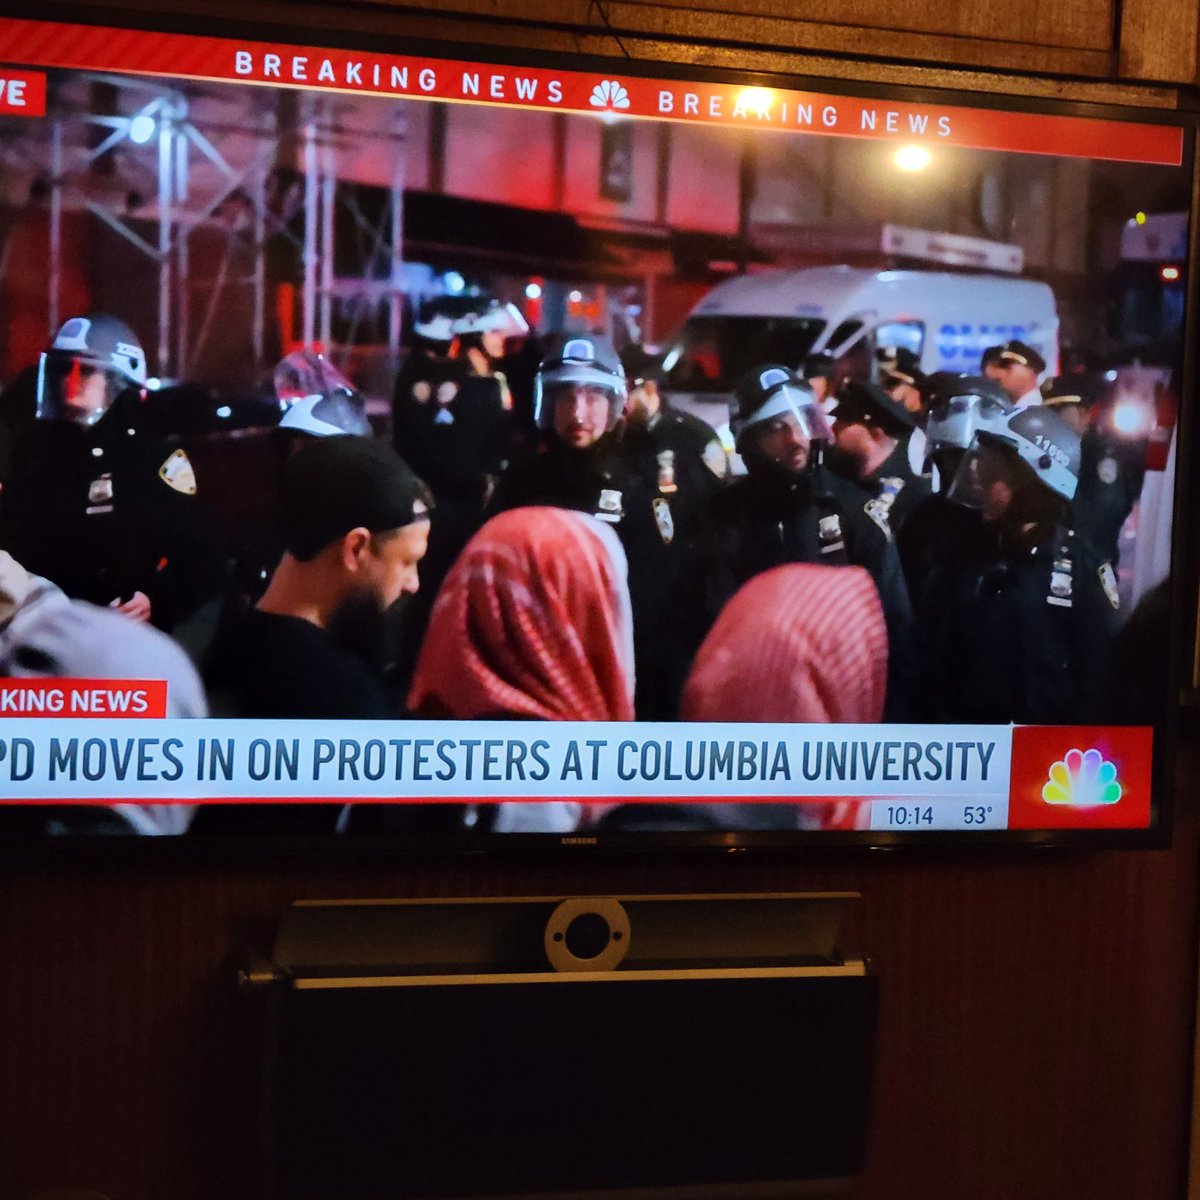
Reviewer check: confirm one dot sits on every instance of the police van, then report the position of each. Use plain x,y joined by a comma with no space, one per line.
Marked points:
948,318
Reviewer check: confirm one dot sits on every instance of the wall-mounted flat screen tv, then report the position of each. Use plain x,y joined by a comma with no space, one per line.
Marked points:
427,446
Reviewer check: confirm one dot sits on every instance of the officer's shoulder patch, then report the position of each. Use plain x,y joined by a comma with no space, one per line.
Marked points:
177,473
715,459
1108,581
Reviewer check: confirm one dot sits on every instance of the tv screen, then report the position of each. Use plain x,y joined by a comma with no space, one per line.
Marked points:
421,447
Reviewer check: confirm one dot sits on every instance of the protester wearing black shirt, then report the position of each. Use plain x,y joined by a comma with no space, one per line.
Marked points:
355,524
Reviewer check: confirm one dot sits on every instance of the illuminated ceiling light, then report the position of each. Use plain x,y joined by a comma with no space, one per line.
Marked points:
755,99
912,158
533,291
576,296
141,129
1140,218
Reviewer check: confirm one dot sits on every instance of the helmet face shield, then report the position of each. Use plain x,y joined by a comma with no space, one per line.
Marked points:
955,420
76,389
787,405
317,399
585,371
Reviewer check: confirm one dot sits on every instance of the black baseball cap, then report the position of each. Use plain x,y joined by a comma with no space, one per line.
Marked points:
335,484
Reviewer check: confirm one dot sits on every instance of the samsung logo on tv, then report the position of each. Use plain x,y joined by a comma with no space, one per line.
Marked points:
578,841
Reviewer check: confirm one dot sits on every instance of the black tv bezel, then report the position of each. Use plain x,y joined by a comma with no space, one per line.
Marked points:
1184,679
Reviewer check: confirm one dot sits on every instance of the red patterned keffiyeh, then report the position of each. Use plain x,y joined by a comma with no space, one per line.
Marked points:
532,621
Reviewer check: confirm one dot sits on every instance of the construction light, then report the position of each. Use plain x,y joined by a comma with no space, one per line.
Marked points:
141,129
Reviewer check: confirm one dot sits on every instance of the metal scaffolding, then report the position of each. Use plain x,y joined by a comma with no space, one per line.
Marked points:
156,137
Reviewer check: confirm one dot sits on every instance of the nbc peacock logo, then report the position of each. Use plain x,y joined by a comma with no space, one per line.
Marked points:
609,94
1082,779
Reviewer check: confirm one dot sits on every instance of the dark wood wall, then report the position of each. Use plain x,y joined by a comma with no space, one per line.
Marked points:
1038,1008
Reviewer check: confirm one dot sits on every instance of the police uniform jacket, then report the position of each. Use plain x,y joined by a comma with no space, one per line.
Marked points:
772,517
602,481
897,489
1111,474
105,512
1017,630
450,425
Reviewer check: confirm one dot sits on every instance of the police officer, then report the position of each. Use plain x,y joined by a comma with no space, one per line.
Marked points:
1112,466
871,446
899,374
821,375
1019,628
680,464
939,529
579,399
790,508
106,512
1016,367
582,464
450,414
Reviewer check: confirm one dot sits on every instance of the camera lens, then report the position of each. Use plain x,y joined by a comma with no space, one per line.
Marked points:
588,935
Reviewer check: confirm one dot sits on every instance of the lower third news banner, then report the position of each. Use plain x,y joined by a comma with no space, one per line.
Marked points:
896,777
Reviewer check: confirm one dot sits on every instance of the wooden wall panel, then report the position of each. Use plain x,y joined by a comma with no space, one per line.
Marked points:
1158,40
1034,1042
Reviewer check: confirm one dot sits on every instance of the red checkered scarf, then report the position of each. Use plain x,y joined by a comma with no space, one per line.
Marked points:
532,621
796,643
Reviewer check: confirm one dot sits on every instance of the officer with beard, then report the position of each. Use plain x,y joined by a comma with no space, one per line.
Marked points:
789,508
1018,627
580,396
681,465
105,511
871,432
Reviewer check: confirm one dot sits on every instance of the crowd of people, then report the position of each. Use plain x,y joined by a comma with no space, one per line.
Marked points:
557,542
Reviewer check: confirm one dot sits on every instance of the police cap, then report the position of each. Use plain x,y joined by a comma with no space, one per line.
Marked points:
1020,354
863,403
897,365
819,366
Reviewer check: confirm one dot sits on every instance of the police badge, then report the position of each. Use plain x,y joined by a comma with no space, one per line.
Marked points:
100,494
610,506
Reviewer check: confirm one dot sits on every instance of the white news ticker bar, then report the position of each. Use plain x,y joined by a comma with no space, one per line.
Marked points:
146,760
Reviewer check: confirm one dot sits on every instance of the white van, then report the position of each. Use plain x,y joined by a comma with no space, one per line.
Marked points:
947,318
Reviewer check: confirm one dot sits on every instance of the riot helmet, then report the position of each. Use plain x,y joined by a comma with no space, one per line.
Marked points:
772,396
92,360
959,407
317,399
503,319
585,365
1032,447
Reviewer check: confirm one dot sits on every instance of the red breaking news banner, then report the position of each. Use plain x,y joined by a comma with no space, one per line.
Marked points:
184,56
61,698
